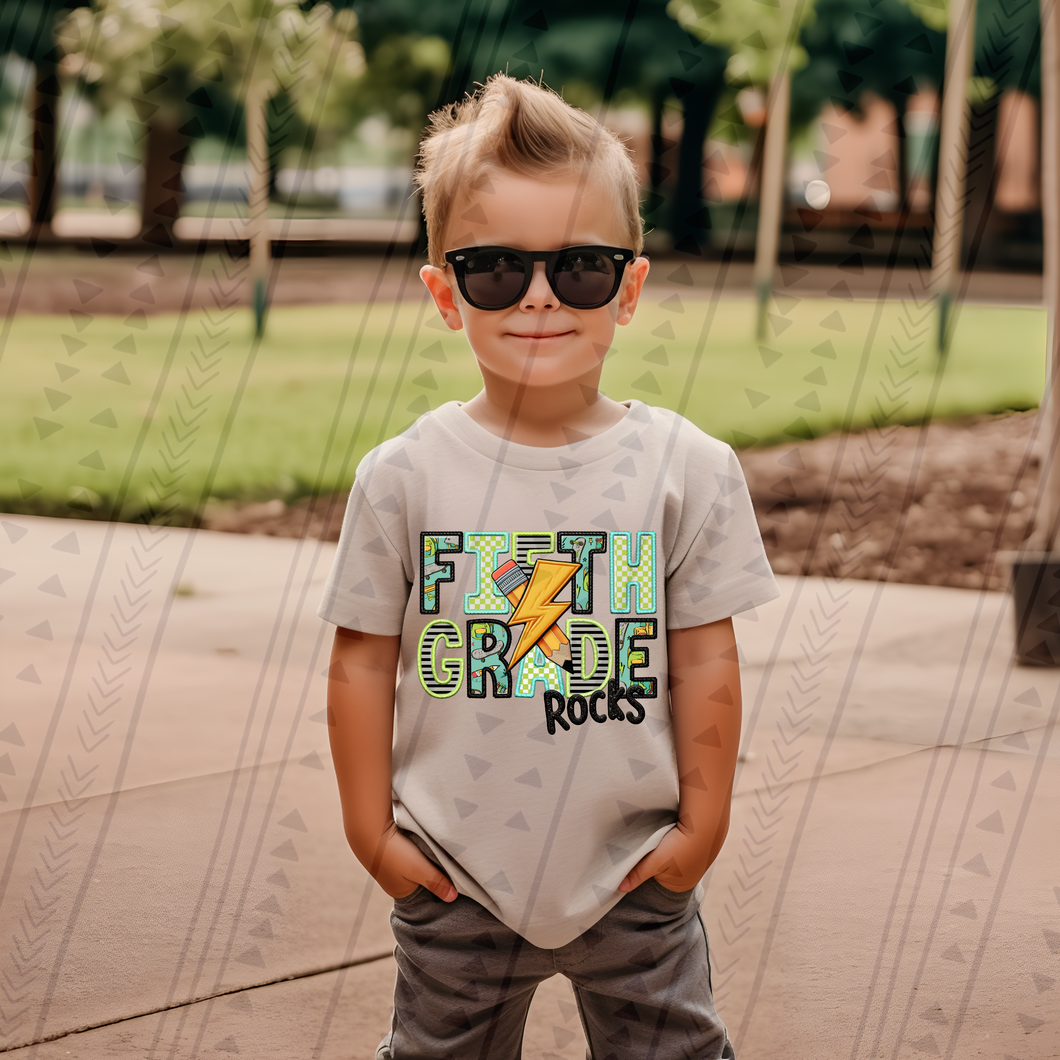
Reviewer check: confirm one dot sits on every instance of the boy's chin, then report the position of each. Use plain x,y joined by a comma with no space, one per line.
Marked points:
548,377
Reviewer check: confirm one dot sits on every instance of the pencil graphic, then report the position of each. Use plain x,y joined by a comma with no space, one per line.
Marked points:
512,581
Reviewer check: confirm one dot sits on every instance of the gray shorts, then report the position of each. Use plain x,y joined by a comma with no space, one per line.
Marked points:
641,977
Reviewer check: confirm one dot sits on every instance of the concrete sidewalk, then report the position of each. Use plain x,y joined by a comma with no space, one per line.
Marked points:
176,882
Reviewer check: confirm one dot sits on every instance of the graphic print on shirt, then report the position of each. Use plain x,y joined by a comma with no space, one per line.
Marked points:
516,635
432,548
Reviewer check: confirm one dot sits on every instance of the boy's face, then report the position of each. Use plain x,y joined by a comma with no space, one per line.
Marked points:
538,342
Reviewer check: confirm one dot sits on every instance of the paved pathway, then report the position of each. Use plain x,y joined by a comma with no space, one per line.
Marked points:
176,884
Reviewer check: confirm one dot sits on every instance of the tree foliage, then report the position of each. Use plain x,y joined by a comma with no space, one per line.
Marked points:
403,81
590,48
894,48
858,46
189,68
761,35
1007,41
933,13
1008,46
594,52
193,60
27,27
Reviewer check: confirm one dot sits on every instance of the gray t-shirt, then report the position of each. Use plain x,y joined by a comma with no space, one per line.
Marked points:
532,589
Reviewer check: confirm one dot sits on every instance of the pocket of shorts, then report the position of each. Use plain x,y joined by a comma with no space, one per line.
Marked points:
417,892
673,896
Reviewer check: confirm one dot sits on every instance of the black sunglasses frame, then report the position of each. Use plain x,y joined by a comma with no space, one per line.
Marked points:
621,256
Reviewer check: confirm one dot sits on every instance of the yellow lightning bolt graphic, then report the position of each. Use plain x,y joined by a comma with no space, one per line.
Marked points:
538,607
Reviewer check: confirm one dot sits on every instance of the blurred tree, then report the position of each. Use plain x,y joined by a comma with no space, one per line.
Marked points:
592,52
403,79
188,65
763,37
947,232
931,12
660,64
28,29
857,46
999,43
1008,59
1048,517
895,47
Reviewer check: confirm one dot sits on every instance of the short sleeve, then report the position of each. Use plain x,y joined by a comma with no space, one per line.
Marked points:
725,570
368,588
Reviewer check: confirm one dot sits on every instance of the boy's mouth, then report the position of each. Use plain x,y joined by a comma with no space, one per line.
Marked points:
538,335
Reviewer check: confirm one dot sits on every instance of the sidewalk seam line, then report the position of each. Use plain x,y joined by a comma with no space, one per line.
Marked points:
368,959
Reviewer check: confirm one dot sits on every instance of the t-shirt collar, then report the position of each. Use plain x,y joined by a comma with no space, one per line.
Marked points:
454,419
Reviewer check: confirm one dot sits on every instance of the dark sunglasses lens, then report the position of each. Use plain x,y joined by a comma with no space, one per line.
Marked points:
584,277
493,278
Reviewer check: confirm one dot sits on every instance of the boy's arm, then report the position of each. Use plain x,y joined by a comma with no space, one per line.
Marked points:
705,701
361,729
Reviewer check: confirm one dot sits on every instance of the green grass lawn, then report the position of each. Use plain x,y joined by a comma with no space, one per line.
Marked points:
84,425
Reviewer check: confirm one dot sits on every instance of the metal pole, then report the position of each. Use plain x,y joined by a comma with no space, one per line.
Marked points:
771,193
953,152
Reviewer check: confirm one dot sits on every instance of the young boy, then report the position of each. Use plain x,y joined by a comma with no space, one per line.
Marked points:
534,694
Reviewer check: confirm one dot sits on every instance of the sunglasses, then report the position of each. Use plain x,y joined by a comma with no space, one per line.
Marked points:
498,277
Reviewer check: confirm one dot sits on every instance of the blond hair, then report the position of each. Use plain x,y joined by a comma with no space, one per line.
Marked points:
527,129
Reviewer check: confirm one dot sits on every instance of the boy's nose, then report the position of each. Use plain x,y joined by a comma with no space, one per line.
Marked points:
539,295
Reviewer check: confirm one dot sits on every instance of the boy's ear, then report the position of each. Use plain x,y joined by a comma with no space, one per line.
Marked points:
632,282
438,284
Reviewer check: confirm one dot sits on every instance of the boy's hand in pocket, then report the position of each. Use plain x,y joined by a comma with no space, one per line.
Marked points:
678,863
399,866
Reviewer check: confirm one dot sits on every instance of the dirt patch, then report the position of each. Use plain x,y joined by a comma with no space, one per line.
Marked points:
318,517
928,505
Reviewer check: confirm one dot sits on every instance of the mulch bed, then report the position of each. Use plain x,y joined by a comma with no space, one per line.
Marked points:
929,505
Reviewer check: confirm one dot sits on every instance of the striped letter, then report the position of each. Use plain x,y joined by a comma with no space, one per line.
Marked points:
431,676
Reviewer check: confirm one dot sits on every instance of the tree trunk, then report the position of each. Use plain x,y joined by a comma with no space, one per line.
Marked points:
1048,521
947,241
163,189
44,179
903,157
980,169
689,214
256,120
657,172
771,193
